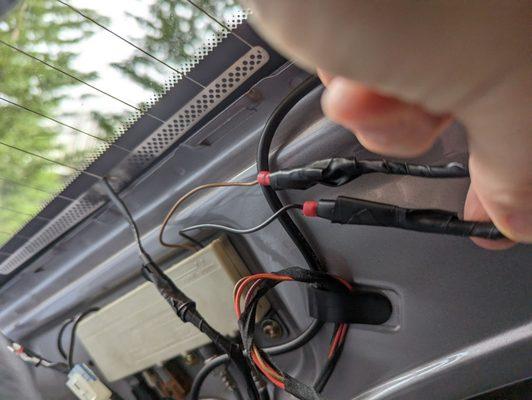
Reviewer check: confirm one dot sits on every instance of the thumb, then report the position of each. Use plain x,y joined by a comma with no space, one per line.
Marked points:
500,162
474,211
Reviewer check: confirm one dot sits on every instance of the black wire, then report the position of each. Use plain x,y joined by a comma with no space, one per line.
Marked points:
263,164
181,304
146,259
297,342
77,320
60,347
204,372
195,242
229,229
328,368
291,345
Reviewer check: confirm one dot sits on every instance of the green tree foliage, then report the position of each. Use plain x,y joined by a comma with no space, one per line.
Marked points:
47,30
173,30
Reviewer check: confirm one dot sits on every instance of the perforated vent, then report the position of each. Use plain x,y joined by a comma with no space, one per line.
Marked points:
70,216
146,152
199,106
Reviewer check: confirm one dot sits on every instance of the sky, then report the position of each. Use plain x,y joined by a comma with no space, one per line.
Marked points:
97,53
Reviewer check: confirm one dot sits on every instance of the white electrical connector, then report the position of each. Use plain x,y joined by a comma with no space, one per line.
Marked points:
86,385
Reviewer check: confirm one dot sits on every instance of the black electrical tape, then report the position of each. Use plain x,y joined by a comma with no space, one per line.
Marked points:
357,307
178,300
183,306
339,171
347,210
247,325
299,389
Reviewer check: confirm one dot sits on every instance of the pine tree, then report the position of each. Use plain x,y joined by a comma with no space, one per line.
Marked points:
173,32
47,30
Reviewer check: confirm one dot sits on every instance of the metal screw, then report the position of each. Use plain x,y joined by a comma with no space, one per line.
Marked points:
254,95
271,328
190,359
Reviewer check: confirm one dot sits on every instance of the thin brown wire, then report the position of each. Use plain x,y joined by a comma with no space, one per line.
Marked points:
182,199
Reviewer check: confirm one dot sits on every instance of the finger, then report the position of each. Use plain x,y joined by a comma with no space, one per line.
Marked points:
432,53
474,211
324,76
382,124
471,59
500,144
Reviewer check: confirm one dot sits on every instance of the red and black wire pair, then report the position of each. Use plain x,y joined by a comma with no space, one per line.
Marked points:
352,211
246,295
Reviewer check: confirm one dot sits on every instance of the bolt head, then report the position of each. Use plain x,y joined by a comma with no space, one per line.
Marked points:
271,329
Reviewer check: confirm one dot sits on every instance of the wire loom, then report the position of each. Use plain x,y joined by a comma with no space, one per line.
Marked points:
261,284
344,210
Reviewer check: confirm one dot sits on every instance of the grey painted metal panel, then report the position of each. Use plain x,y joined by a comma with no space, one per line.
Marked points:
465,312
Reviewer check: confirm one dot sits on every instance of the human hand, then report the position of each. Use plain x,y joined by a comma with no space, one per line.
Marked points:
399,72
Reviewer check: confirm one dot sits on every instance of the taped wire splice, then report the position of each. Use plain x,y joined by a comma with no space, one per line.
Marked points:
347,210
339,171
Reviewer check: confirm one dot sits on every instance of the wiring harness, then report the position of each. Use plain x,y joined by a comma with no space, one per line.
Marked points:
251,289
339,171
181,304
330,298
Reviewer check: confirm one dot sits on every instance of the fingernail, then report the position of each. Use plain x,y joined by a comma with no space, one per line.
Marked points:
520,225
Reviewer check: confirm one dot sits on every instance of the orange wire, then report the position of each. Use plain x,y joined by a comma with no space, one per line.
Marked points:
268,367
338,338
344,333
344,282
263,369
250,292
252,278
268,371
335,341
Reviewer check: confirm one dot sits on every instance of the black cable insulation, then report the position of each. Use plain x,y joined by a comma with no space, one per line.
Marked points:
229,229
287,347
338,171
60,347
327,370
77,320
348,210
263,164
184,307
247,322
